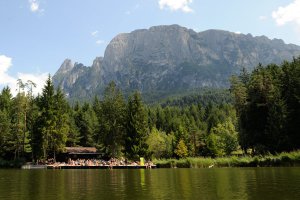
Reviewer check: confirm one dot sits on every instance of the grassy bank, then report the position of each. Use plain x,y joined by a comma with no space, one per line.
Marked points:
282,159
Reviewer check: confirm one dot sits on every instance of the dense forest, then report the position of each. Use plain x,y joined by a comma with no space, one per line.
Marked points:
267,102
262,118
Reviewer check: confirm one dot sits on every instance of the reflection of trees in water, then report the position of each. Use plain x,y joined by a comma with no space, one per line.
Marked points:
146,184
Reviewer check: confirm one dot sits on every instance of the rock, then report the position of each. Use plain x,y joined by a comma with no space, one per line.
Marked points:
169,59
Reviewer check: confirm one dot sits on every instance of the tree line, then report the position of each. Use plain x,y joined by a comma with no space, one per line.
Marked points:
40,127
267,102
263,118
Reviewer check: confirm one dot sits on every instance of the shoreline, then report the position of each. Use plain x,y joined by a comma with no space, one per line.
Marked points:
291,159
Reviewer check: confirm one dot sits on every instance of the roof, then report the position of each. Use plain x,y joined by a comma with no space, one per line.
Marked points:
81,150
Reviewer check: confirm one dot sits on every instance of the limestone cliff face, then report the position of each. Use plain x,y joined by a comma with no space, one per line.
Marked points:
170,58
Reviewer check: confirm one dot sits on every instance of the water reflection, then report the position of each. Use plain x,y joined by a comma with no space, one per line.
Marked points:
226,183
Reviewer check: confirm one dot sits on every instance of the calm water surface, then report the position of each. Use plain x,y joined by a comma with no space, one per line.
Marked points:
224,183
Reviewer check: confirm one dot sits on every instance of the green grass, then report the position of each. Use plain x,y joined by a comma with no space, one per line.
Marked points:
282,159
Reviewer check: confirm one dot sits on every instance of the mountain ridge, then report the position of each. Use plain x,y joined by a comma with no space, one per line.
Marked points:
170,58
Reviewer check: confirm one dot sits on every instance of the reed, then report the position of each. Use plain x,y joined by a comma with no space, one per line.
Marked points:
269,160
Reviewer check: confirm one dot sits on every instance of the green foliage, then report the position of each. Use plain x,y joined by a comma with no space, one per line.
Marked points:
52,127
136,128
61,129
268,106
19,108
4,133
160,144
290,92
86,121
5,99
214,145
201,96
264,118
282,159
73,136
112,118
226,137
181,150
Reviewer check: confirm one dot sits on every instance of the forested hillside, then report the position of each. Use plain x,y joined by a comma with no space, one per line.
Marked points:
263,117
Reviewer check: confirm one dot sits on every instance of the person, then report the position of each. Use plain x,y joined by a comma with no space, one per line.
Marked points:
110,165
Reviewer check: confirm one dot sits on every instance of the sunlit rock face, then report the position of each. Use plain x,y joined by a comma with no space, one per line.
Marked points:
170,59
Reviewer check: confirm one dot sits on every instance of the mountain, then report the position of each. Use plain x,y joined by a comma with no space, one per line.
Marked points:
169,60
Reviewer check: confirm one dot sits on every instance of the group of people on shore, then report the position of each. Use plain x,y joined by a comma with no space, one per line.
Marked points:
98,162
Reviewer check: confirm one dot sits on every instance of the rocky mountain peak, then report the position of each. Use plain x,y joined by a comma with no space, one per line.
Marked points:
66,66
170,59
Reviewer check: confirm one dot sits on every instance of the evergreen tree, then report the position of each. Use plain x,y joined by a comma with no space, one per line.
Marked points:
112,122
73,137
52,126
86,122
4,134
290,90
5,122
267,103
136,128
31,114
6,99
61,121
19,136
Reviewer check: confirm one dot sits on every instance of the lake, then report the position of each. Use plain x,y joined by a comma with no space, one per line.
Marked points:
218,183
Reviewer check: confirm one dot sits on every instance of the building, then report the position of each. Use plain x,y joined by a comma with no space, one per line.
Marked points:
78,153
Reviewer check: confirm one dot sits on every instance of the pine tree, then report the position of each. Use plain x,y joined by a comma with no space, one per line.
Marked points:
5,133
18,110
61,120
87,123
290,90
5,122
136,128
112,122
6,99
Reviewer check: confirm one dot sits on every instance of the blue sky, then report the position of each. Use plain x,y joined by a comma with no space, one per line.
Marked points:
37,35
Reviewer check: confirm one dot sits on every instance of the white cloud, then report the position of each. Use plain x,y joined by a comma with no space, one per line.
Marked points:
100,42
94,33
238,32
287,14
175,5
38,79
5,64
35,6
7,80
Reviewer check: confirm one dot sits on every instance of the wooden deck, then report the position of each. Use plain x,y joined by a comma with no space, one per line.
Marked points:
29,166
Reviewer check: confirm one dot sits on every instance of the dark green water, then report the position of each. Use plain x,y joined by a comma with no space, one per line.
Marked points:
224,183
